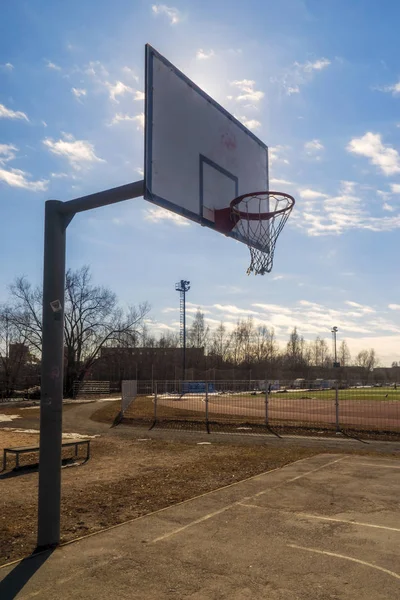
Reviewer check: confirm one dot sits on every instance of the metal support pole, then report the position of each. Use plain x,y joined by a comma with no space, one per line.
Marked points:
184,335
51,376
207,422
58,215
266,404
155,402
337,407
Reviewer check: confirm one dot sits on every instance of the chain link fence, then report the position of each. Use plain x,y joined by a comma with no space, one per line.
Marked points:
327,408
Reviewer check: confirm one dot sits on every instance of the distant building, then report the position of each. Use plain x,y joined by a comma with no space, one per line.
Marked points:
116,363
19,353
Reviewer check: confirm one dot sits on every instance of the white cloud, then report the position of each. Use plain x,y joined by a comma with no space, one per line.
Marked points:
350,209
278,182
308,194
234,310
204,54
140,171
347,187
170,12
17,177
313,147
78,92
393,89
96,69
79,153
387,159
130,72
317,65
8,113
161,215
118,89
7,152
139,95
364,308
388,207
395,187
21,179
59,175
276,154
293,78
249,123
248,93
7,67
138,119
394,306
52,66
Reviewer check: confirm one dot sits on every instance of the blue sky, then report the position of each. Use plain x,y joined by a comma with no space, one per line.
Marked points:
325,96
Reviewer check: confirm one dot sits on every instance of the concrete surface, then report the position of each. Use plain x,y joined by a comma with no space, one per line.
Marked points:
322,528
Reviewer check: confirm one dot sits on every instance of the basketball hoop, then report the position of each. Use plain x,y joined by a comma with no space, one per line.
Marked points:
258,218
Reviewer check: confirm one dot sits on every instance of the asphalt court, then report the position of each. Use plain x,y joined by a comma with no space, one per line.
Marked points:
322,528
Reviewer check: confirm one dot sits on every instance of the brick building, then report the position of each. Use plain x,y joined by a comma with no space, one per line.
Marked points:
115,364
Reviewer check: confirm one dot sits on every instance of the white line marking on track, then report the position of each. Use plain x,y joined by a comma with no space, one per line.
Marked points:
237,503
356,560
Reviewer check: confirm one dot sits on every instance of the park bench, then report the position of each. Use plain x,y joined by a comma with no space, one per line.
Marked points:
17,451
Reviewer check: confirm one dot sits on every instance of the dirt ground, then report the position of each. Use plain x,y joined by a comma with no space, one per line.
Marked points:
129,475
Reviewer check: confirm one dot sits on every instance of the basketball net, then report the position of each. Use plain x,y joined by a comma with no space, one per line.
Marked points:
259,219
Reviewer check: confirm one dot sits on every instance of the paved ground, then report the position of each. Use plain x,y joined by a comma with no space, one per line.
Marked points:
323,528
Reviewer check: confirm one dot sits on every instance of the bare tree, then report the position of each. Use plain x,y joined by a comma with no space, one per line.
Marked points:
367,361
199,332
295,347
242,342
344,354
168,340
14,353
219,346
93,319
266,347
25,312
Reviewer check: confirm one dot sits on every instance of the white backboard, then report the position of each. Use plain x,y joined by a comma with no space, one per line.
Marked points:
198,157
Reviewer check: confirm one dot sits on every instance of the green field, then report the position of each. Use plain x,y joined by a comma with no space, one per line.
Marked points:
365,394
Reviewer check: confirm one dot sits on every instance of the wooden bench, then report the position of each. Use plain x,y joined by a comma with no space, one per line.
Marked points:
17,451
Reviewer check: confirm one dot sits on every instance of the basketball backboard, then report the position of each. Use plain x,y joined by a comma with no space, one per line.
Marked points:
198,157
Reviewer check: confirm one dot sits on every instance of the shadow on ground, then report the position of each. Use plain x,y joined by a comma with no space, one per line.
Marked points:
16,579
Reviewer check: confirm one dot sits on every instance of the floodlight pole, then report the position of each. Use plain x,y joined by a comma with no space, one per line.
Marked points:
335,364
334,333
58,215
183,286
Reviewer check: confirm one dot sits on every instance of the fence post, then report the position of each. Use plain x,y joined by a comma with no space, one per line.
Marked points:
337,407
155,402
207,423
266,403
